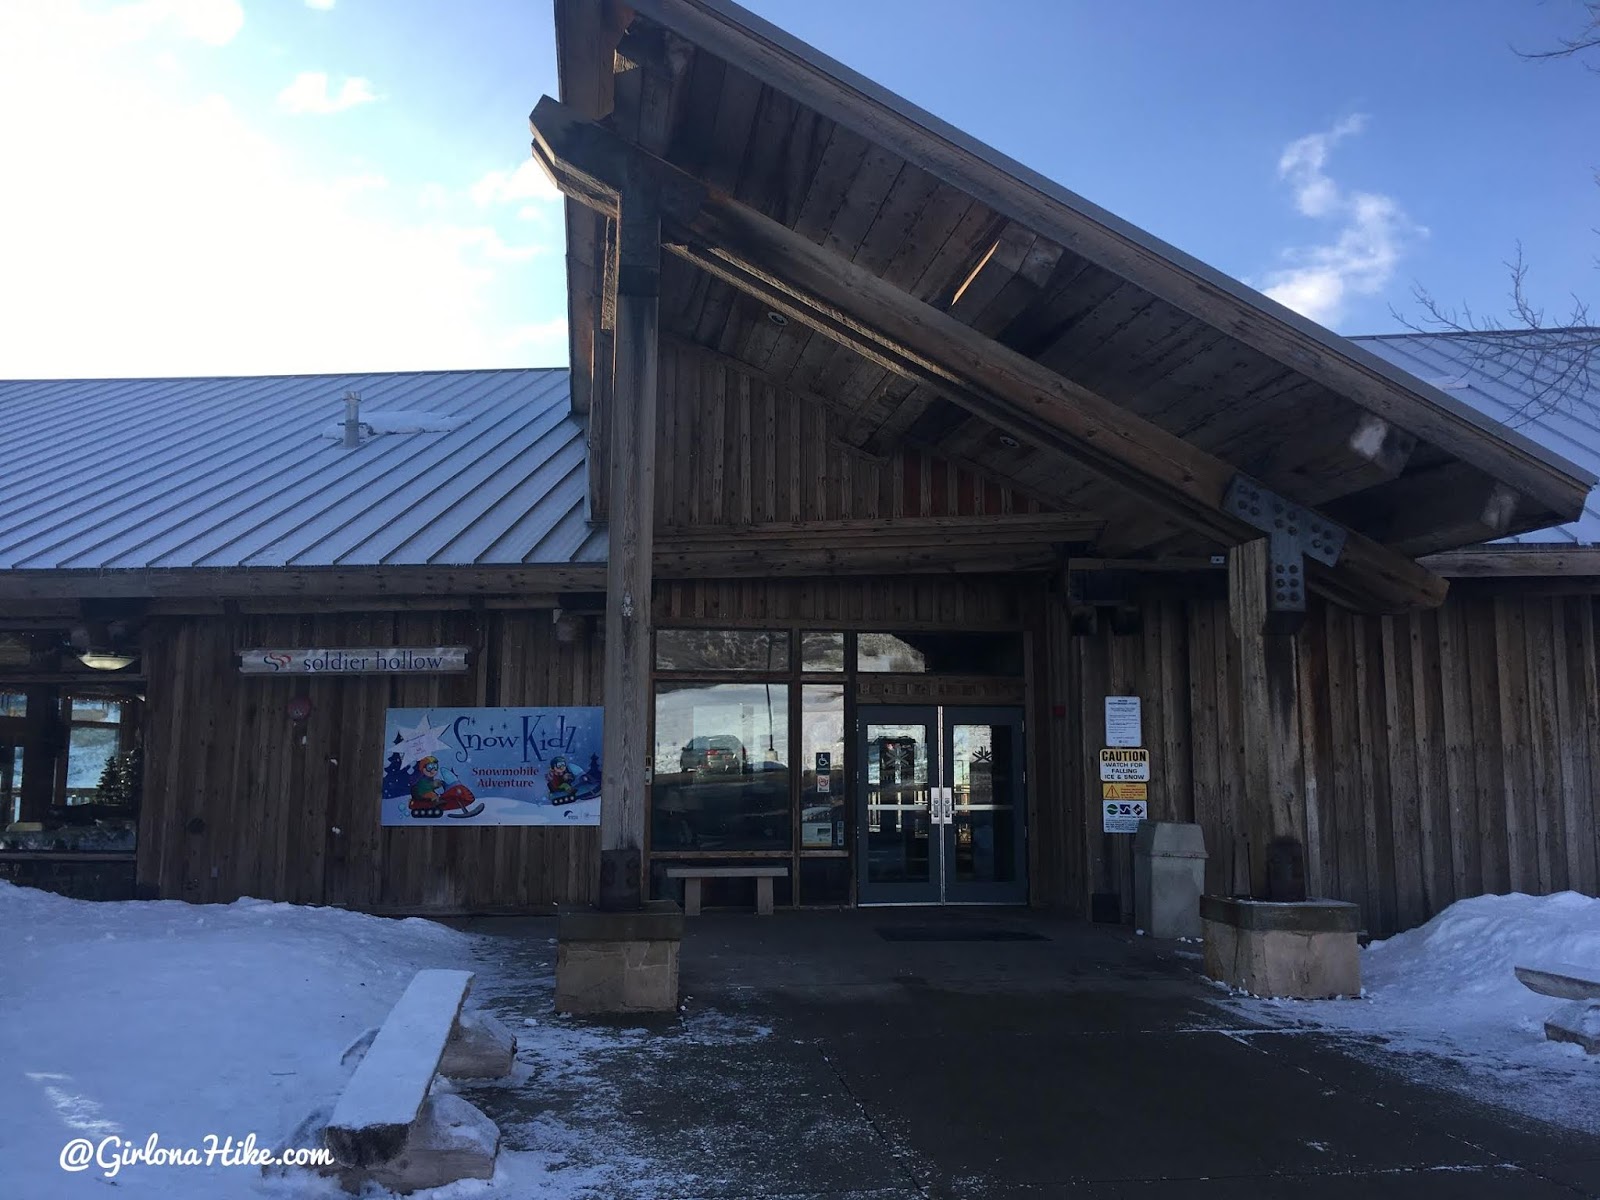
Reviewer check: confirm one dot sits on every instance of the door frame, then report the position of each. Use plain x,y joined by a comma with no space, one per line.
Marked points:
1014,891
929,891
940,889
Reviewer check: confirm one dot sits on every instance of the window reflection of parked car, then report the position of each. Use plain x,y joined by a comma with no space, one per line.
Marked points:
719,754
724,798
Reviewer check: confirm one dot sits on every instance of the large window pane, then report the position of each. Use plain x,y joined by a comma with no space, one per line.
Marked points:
822,778
721,777
722,650
940,653
13,704
88,751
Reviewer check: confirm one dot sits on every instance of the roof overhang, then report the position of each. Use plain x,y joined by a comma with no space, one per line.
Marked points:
943,290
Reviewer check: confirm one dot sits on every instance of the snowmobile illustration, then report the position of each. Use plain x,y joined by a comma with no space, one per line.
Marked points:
563,787
432,797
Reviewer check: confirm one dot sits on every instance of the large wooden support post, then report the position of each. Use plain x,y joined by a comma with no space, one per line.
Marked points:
628,573
1269,708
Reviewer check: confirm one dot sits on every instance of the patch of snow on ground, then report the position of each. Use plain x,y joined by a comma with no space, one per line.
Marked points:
1446,990
127,1019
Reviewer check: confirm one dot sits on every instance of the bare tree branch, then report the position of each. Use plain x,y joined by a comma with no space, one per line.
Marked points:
1588,38
1550,365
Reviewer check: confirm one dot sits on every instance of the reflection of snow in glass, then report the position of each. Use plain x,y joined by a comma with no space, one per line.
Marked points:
91,748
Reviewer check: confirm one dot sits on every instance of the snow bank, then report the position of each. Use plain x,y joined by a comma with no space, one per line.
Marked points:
184,1020
1455,972
1447,990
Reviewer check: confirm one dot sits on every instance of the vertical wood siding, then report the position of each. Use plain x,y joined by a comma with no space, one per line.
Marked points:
238,802
1447,754
736,450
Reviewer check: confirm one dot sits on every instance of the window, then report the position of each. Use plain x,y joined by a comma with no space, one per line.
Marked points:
821,651
940,653
721,767
722,650
13,704
94,737
823,787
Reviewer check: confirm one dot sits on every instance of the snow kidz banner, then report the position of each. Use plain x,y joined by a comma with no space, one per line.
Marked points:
492,766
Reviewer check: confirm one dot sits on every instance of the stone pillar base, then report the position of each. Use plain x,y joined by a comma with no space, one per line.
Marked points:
618,962
1304,951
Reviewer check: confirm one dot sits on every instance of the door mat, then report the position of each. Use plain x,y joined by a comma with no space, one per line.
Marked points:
939,933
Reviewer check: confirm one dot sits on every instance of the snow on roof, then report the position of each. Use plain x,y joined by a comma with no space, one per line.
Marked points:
488,470
1508,376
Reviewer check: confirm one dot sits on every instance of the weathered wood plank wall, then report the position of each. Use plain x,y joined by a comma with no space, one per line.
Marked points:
736,450
909,602
1447,754
240,802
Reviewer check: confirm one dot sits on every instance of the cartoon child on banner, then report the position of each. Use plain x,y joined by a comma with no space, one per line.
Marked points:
560,782
434,796
564,787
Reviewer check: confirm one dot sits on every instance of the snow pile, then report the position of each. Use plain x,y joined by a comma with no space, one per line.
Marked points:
1456,972
130,1019
180,1020
1446,992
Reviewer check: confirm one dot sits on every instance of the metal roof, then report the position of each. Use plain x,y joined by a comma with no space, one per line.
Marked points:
1509,376
242,472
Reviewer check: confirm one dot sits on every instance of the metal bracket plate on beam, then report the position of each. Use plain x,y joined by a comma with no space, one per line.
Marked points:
1294,526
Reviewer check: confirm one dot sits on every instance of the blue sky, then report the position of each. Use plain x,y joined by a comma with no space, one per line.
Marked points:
217,186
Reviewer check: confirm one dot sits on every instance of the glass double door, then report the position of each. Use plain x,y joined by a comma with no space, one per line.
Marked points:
942,808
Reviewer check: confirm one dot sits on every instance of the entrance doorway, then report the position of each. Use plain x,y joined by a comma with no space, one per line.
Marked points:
941,806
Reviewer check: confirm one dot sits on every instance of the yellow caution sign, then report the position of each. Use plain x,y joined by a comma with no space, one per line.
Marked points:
1124,791
1124,765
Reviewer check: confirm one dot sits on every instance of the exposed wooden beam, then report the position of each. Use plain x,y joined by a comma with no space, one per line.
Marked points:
1480,514
1357,452
1037,203
1011,542
999,528
1435,510
586,37
299,581
1556,560
1019,396
733,562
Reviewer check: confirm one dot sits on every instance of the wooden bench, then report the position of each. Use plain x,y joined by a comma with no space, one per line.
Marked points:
692,876
1578,1020
386,1126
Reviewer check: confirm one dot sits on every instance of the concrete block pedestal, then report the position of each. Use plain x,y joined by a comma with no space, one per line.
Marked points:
618,962
1298,951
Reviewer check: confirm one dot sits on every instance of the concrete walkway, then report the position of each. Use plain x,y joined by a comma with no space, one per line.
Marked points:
890,1054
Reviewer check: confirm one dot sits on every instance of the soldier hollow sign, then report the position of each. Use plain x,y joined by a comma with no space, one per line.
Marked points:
360,660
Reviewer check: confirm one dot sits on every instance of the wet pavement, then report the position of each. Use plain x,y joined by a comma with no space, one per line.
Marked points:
890,1054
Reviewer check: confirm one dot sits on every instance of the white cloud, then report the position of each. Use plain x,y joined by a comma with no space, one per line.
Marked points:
221,250
525,182
1360,259
309,94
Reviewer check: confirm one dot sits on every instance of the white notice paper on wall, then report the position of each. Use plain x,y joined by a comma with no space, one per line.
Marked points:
1123,726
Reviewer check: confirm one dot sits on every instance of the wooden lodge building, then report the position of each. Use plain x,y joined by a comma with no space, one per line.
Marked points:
883,462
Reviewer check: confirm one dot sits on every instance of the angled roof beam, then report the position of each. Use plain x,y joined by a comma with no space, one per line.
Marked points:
1019,396
1013,190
